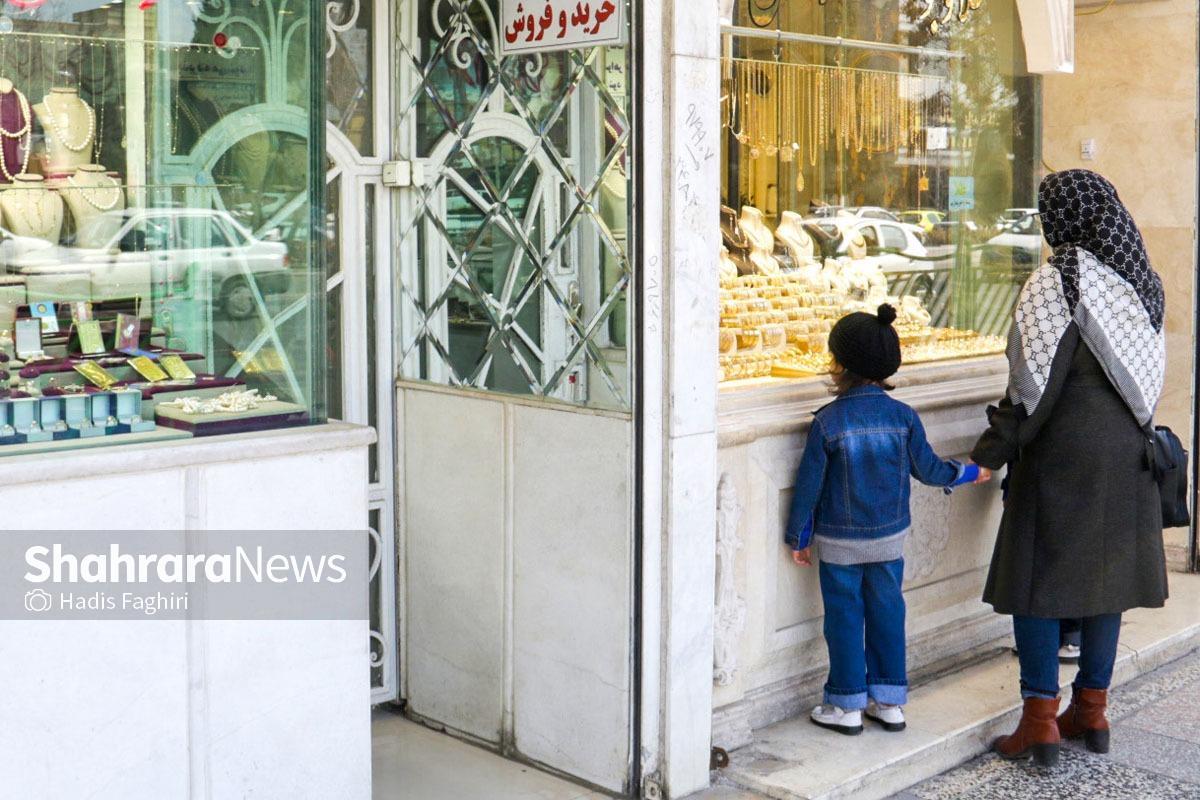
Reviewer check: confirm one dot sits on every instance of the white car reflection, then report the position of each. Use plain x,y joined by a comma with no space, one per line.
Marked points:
893,245
152,252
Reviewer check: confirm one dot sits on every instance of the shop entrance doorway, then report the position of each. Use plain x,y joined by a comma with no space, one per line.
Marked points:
514,404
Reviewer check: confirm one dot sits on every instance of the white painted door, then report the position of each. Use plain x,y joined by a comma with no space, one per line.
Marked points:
514,425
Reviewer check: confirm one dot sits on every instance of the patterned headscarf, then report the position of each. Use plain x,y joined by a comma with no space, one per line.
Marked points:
1099,280
1081,209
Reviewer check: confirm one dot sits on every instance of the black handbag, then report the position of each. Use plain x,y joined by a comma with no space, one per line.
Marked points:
1168,461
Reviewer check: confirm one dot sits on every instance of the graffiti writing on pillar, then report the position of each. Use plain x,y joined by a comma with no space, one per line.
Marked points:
698,145
653,298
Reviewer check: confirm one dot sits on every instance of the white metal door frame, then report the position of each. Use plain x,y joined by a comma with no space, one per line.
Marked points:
361,177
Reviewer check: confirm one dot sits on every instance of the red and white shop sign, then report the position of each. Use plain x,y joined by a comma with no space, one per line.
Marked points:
531,26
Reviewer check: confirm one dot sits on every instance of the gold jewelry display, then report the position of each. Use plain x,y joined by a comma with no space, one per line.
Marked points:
98,75
775,108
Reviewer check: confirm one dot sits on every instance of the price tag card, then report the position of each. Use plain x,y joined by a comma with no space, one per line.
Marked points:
81,311
147,369
47,313
177,368
129,331
97,375
28,338
90,340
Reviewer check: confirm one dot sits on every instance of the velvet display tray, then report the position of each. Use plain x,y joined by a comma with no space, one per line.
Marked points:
59,365
190,388
268,416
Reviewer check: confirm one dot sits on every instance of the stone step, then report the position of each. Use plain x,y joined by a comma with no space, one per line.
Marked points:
950,719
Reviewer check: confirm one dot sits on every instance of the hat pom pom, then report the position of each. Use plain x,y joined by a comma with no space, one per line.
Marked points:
887,314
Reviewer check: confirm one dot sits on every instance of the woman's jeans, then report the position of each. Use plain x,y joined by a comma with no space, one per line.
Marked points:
1037,649
865,598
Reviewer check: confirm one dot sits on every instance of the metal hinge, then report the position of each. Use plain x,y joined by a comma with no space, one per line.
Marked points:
403,174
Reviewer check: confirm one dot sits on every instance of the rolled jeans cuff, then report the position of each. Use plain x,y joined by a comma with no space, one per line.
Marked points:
890,694
1029,691
846,699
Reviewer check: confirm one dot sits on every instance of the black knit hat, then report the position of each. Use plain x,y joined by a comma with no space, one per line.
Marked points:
867,344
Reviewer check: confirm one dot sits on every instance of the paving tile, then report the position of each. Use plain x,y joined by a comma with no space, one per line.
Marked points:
1079,776
1176,715
411,762
725,793
1175,678
1155,753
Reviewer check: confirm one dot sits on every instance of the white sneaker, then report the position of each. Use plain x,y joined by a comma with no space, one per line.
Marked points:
890,717
1068,653
837,719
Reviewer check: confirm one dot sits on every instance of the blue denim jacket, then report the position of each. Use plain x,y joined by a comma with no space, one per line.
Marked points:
853,487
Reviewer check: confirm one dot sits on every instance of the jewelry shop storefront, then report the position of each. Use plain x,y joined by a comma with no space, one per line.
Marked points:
874,152
162,368
561,274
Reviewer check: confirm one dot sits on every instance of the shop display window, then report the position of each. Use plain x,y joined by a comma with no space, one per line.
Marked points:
156,202
858,175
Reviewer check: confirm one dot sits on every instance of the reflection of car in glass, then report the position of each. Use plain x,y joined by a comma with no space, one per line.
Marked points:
874,212
894,244
924,218
148,246
1018,246
1012,215
947,232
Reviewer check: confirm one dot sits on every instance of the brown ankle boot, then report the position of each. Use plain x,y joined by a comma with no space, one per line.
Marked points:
1085,717
1036,735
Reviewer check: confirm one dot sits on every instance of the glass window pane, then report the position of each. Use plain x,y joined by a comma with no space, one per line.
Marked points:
930,155
349,61
155,219
515,258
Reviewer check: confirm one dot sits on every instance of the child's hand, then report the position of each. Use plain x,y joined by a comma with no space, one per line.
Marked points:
803,557
985,475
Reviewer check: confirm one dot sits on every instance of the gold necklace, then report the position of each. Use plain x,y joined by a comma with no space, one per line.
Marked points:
30,208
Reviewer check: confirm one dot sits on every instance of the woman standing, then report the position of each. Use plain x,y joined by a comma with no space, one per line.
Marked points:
1081,536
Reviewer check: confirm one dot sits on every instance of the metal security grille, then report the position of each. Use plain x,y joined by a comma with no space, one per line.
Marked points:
513,267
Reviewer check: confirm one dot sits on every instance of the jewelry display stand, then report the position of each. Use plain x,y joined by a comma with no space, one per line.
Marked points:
91,193
728,267
735,242
762,241
799,243
16,131
70,127
31,209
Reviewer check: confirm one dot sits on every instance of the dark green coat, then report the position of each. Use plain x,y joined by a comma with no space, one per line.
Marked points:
1082,528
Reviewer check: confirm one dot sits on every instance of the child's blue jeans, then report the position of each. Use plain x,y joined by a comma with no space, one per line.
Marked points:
864,603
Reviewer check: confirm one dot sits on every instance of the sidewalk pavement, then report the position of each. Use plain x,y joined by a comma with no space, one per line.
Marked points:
1155,752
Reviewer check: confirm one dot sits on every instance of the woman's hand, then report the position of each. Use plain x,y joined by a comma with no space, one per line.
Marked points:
803,557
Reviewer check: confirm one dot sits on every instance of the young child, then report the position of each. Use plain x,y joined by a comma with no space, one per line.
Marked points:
852,500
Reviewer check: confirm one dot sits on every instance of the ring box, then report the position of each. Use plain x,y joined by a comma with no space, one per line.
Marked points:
26,420
129,411
75,412
101,411
51,416
8,434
